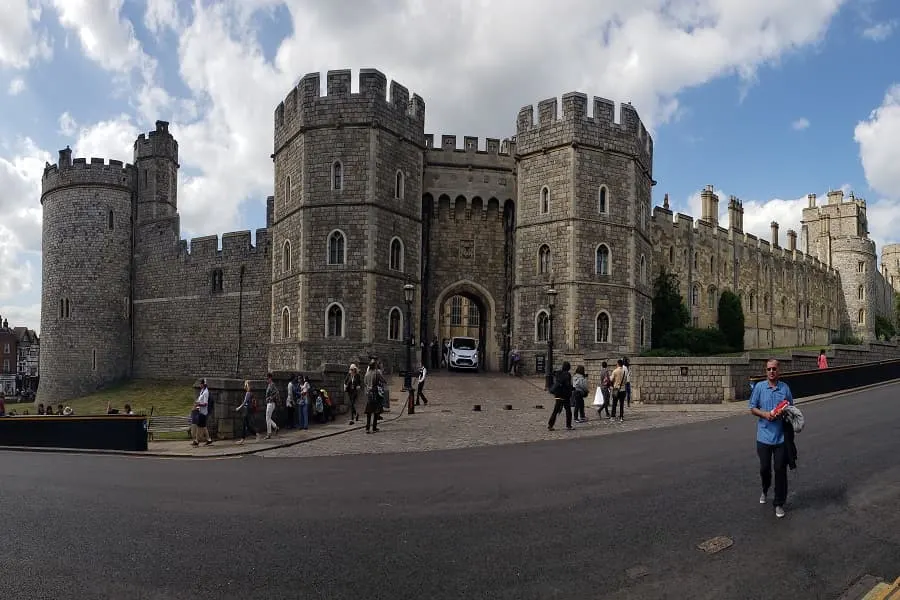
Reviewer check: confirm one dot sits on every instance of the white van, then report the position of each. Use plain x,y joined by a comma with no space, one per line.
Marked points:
463,353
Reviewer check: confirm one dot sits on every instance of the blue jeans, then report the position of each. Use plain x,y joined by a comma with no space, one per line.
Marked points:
303,414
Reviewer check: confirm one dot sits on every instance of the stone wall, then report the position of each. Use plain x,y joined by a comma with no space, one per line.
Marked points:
714,380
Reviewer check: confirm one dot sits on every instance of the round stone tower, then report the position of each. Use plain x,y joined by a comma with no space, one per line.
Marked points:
890,259
85,300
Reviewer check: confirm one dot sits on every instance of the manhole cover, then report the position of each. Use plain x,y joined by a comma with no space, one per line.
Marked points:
716,544
637,572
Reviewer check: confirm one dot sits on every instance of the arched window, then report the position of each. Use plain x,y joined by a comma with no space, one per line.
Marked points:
861,293
337,176
111,220
285,323
544,260
601,328
643,332
765,303
602,260
696,259
286,257
399,185
784,307
695,295
396,259
711,298
395,325
712,267
287,190
643,269
62,308
218,281
337,248
545,200
334,321
751,301
603,200
542,326
671,255
861,317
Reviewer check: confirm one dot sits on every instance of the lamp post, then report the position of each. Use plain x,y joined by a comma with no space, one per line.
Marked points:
551,302
408,290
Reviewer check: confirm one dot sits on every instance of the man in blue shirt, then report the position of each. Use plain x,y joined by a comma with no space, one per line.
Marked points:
770,445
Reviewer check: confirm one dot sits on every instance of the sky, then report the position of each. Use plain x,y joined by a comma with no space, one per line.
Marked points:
767,100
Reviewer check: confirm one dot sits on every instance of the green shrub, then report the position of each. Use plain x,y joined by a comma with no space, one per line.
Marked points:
696,342
669,310
731,320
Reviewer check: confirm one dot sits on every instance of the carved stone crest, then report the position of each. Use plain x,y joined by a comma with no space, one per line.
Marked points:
467,250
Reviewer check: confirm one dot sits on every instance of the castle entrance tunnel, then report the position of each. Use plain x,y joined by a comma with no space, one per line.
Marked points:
463,313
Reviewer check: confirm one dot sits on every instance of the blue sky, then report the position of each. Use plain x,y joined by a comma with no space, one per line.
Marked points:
768,101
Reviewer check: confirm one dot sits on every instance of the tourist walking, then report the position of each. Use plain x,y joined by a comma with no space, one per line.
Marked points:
618,390
271,401
627,366
373,404
352,384
289,402
562,394
579,392
305,389
247,410
515,360
823,360
201,405
767,402
421,385
605,383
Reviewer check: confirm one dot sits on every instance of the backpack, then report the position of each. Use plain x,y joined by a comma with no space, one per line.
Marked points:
253,404
606,381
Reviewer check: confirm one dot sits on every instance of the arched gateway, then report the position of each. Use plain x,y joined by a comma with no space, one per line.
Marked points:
484,326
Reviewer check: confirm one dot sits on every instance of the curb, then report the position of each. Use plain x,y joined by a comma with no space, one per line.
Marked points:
149,454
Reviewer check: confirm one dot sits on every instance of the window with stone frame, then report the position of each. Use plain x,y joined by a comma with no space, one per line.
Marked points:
603,200
696,260
285,323
601,328
544,259
218,281
695,295
287,190
861,317
861,293
643,332
712,263
395,325
784,312
671,255
643,270
399,185
337,176
601,260
337,248
396,258
456,311
765,303
751,301
110,220
711,298
286,257
474,315
542,326
807,310
861,267
334,321
93,360
545,200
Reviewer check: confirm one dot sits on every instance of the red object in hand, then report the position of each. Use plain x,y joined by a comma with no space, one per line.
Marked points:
781,406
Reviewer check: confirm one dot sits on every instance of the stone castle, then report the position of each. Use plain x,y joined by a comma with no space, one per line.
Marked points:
365,202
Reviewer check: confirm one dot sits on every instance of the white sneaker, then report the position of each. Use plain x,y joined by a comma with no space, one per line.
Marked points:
762,498
779,512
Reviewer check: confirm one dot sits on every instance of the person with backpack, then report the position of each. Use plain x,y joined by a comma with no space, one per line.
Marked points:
579,391
562,394
247,410
605,384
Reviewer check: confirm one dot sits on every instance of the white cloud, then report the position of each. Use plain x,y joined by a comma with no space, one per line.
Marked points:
67,124
20,42
105,37
16,86
107,139
22,315
878,149
160,15
800,124
879,31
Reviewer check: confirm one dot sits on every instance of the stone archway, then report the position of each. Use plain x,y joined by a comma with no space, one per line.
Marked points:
479,297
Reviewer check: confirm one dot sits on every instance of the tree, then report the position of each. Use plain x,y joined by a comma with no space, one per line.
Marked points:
731,320
884,328
669,310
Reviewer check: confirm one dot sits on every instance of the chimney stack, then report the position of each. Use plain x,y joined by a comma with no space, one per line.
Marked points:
811,198
774,226
792,240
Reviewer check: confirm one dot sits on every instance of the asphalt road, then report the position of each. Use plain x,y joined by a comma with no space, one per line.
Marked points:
567,519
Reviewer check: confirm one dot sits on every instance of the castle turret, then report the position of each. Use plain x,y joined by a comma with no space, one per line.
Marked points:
156,162
86,277
347,219
597,253
890,261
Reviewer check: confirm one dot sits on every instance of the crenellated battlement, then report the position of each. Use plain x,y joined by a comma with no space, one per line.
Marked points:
231,245
305,107
157,143
81,172
487,153
575,125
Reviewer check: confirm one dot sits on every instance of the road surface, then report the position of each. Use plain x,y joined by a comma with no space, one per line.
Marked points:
616,516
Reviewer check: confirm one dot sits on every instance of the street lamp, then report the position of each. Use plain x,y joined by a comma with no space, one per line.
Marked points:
408,290
548,369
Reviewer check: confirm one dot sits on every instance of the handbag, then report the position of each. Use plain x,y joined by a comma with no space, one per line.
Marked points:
599,400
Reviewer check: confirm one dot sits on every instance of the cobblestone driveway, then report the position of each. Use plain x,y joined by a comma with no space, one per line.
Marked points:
448,420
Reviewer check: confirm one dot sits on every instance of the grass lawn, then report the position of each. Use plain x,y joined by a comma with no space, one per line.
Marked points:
165,397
